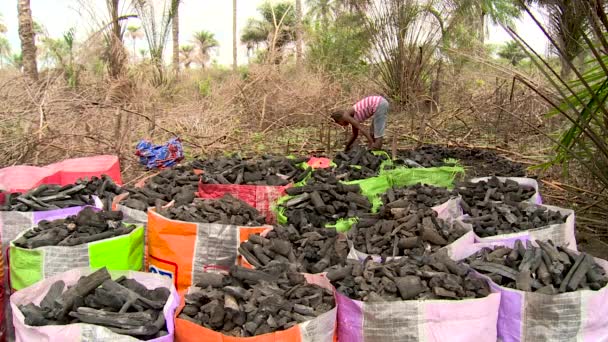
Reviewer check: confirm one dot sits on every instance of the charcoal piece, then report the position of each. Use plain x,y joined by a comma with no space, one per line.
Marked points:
409,286
34,316
210,279
55,291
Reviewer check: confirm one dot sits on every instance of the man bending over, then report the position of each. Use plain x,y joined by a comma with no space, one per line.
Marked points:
375,107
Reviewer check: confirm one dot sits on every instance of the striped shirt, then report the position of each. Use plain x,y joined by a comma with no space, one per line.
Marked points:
365,108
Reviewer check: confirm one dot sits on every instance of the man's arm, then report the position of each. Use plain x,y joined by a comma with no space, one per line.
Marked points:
352,139
356,126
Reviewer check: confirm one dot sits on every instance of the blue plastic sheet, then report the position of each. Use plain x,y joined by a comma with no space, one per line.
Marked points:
160,156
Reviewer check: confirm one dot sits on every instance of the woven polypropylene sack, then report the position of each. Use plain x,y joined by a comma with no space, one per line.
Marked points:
183,251
418,320
22,178
29,266
84,331
527,316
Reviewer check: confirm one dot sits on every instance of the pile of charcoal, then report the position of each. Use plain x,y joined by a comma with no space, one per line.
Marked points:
358,163
224,210
178,184
478,162
407,233
436,277
102,187
253,302
417,196
87,226
493,190
310,252
123,305
48,197
318,204
545,268
269,170
494,218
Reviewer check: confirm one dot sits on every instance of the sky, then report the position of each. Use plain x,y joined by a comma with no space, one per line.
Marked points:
58,16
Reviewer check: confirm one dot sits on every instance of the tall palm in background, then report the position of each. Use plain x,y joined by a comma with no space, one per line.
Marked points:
234,37
5,47
276,29
206,42
2,25
134,33
5,50
566,25
187,55
477,13
322,10
299,31
175,31
26,34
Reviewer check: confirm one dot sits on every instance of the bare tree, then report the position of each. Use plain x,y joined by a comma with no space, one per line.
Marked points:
234,41
175,30
26,34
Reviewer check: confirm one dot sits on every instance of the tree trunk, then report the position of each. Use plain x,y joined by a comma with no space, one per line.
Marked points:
234,41
482,34
298,32
117,53
134,51
175,29
26,34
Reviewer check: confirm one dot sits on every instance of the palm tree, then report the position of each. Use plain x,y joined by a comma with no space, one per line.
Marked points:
276,29
566,25
3,28
143,53
134,33
298,31
205,41
175,32
234,41
186,55
496,11
322,10
26,34
512,52
5,50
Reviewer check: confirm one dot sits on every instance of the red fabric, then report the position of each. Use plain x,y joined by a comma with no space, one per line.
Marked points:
22,178
261,197
319,163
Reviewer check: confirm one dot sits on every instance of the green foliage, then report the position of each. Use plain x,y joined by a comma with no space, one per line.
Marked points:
512,52
204,87
60,52
340,47
582,102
